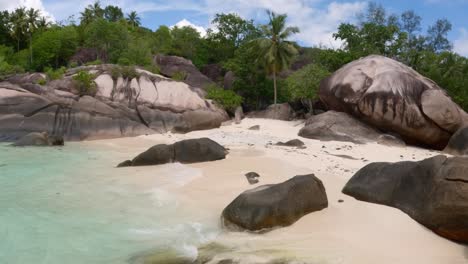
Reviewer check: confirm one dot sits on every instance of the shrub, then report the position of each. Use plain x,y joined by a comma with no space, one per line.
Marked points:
153,69
85,84
73,64
96,62
304,84
126,72
42,82
55,74
179,76
227,99
7,69
124,62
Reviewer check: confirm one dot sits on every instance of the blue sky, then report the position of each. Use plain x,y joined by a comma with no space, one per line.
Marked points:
317,19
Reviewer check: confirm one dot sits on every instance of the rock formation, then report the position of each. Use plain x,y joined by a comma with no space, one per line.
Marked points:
279,111
276,205
338,126
123,105
172,66
38,139
433,192
458,144
185,151
394,98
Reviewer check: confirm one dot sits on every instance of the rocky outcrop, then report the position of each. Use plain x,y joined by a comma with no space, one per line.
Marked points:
433,192
276,205
173,66
38,139
458,144
393,98
124,105
279,112
185,151
338,126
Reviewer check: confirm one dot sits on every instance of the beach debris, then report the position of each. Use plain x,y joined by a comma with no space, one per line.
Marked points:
252,177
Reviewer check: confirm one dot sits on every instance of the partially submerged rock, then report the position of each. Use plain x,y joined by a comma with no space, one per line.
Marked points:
276,205
393,98
185,151
338,126
39,139
433,192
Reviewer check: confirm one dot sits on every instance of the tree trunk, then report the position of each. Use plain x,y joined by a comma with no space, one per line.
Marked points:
30,49
274,84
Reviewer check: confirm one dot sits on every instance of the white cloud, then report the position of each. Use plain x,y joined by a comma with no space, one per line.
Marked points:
460,45
185,23
10,5
317,19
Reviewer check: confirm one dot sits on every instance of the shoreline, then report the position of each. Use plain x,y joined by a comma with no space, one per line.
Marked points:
348,232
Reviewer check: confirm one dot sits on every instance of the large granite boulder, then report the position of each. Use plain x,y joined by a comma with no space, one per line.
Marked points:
126,103
185,151
394,98
172,66
433,192
276,205
39,139
279,112
458,144
338,126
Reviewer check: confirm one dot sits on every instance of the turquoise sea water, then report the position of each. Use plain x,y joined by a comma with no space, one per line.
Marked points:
69,205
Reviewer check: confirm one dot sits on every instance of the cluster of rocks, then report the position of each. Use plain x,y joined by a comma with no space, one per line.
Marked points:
122,105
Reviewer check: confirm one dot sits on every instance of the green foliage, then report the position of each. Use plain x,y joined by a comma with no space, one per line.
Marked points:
95,62
42,82
54,47
126,72
162,40
179,76
275,52
110,39
84,82
138,52
303,85
153,69
227,99
55,74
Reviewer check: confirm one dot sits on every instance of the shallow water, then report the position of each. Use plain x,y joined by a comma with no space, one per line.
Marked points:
70,205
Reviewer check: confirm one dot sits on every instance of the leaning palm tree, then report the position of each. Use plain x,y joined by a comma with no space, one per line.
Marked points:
31,26
133,19
275,51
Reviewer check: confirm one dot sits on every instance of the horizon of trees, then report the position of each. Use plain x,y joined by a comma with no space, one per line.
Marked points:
105,34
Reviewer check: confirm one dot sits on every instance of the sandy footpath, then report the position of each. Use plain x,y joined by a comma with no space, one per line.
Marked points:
348,232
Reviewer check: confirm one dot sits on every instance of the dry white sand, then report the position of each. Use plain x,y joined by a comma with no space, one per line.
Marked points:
348,232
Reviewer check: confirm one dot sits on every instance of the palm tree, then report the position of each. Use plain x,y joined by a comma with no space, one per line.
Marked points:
32,20
18,23
274,50
96,10
133,19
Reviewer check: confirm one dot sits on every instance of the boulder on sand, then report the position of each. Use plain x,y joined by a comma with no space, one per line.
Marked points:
276,205
393,98
338,126
291,143
434,192
458,144
39,139
185,151
279,112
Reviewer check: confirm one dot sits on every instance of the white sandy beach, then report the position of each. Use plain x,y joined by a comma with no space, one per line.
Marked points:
351,232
